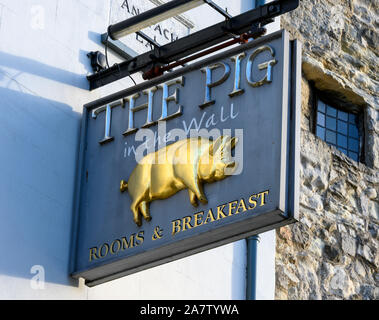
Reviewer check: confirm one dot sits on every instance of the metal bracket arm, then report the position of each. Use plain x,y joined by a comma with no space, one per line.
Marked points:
193,43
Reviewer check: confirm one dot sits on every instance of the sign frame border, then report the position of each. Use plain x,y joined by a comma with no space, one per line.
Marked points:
116,268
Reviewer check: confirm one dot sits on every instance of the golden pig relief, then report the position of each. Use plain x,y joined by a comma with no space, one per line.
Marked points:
185,164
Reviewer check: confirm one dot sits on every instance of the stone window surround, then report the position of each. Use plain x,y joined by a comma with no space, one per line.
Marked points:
339,105
319,81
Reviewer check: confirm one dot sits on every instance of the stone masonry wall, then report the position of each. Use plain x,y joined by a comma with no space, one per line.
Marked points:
332,252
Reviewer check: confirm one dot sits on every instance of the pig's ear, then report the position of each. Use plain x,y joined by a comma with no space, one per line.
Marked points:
233,142
215,145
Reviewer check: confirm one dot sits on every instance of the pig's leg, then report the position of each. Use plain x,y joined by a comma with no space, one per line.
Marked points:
203,199
136,215
185,175
197,189
193,198
144,207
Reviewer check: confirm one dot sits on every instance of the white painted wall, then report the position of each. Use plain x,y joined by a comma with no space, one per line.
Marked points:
265,282
43,65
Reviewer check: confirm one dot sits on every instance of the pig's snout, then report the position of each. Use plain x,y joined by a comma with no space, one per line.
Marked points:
231,164
230,168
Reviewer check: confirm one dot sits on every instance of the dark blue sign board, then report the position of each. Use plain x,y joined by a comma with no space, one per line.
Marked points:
131,216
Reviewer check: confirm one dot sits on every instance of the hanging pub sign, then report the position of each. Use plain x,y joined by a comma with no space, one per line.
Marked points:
197,158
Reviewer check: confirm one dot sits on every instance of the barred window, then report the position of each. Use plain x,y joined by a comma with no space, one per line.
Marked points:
338,128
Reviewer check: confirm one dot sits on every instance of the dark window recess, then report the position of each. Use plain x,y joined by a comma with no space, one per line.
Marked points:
338,128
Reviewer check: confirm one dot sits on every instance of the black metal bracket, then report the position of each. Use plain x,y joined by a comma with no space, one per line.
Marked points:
98,60
218,9
195,42
117,46
144,36
145,19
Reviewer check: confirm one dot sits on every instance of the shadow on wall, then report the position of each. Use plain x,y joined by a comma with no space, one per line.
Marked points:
39,142
45,71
